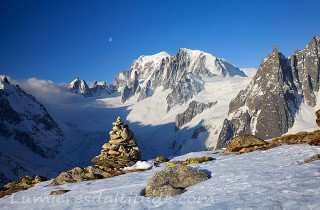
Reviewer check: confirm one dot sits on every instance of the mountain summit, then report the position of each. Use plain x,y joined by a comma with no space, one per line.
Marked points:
178,72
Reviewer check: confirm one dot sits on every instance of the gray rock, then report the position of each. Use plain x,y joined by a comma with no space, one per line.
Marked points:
59,192
269,98
195,108
173,180
74,175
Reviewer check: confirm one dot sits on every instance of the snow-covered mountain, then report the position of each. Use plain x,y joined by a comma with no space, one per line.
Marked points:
274,98
27,129
181,72
80,86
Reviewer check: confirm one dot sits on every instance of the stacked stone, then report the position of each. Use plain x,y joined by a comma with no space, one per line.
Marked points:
121,150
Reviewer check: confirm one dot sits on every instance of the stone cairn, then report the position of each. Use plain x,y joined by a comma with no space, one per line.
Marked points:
121,150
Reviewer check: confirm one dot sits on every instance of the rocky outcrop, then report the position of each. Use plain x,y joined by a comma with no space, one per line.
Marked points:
79,174
147,73
174,180
122,149
24,183
249,143
245,143
189,161
195,108
274,95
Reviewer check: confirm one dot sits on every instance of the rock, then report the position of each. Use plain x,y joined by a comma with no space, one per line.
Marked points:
240,143
59,192
173,180
315,140
313,158
190,161
76,174
318,117
96,173
162,159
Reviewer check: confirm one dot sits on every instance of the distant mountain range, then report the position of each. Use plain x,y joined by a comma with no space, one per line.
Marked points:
189,101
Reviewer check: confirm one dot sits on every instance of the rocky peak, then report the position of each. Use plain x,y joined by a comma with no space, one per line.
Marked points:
275,93
269,98
80,86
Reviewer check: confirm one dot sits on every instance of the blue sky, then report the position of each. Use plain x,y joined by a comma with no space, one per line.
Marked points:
60,40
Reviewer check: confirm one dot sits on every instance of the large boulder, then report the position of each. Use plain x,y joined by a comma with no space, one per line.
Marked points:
245,143
173,180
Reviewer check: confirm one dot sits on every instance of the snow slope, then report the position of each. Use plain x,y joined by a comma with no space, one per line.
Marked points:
272,179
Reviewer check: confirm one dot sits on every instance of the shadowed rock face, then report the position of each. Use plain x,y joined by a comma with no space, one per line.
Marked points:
24,119
266,108
193,110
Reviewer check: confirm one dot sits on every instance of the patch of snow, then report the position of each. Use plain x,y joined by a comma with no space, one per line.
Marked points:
143,165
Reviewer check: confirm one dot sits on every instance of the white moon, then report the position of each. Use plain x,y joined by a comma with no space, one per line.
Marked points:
110,39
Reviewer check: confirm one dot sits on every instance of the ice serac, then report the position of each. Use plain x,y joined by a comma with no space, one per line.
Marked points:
180,72
195,108
24,119
80,86
267,107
